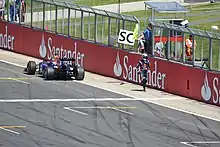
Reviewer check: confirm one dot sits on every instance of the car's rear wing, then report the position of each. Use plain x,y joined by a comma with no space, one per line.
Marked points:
67,59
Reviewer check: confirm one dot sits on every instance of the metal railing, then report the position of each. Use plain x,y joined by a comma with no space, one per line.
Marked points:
73,20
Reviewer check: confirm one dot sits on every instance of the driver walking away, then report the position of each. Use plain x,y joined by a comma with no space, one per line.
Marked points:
143,65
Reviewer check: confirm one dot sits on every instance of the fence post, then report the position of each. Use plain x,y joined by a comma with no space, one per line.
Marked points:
210,53
82,25
153,36
109,30
193,47
95,30
43,15
183,47
56,26
31,13
168,44
68,22
123,45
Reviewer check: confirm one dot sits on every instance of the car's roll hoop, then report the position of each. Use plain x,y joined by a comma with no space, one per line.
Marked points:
67,59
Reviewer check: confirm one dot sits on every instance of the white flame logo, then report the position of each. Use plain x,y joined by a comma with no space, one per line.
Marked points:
42,48
117,66
205,90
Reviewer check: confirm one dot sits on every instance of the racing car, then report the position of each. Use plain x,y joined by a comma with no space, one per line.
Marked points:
61,68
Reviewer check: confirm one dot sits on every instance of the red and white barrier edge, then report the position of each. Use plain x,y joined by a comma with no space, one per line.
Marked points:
171,77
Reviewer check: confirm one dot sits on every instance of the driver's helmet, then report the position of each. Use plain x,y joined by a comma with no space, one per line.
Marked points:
56,59
144,56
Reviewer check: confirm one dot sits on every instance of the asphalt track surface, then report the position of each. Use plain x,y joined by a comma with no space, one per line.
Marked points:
119,124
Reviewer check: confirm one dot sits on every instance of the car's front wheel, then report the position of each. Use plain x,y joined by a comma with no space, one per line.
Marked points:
31,67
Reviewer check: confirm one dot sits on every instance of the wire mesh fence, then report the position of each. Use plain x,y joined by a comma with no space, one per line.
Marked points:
71,19
170,42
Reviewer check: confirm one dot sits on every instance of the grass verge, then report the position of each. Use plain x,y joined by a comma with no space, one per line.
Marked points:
103,2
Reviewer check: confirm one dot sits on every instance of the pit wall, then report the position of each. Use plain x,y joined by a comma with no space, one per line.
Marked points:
174,78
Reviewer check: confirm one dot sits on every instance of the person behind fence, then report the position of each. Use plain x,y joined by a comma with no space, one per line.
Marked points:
2,9
17,4
148,39
22,10
141,44
189,48
13,10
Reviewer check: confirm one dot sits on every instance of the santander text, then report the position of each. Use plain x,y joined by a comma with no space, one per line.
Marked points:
7,40
62,52
215,97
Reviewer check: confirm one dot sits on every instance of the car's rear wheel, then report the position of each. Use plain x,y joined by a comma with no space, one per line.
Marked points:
39,68
31,67
49,73
80,73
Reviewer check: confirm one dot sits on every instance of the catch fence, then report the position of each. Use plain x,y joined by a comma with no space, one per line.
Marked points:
170,44
73,20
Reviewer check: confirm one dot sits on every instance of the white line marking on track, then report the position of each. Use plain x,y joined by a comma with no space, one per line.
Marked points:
103,107
98,107
20,81
64,100
121,111
70,100
108,107
204,142
12,63
9,130
185,143
146,100
164,98
67,108
199,142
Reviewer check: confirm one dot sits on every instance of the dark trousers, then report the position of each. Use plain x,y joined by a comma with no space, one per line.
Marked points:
13,13
22,15
148,47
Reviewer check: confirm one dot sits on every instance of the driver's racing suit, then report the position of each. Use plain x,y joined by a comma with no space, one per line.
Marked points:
144,65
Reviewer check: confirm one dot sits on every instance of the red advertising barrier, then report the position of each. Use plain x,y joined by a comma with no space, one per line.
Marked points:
171,77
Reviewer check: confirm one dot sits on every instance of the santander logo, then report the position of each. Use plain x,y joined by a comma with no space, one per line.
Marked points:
42,48
205,90
211,94
49,50
130,73
117,66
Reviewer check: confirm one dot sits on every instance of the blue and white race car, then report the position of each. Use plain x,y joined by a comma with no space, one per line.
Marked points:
56,68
